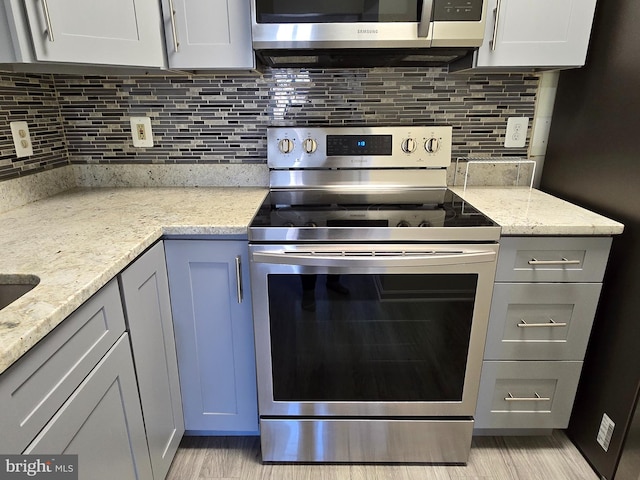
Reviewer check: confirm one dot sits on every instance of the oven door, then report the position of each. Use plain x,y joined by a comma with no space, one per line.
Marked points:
370,330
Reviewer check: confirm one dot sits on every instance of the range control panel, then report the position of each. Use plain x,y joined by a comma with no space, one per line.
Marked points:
359,147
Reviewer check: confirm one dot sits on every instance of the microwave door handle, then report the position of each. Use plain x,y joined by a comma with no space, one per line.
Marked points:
425,18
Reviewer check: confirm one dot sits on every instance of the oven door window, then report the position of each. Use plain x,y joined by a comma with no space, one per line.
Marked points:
337,11
370,337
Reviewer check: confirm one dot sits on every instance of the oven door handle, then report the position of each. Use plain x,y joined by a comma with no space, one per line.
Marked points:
373,259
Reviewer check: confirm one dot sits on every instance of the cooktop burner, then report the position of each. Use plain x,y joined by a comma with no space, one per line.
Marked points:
450,220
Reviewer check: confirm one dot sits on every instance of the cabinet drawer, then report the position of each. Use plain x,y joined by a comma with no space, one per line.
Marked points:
526,394
541,321
552,259
34,388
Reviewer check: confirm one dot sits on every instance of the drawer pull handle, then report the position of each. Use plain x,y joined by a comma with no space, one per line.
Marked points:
552,323
537,398
564,261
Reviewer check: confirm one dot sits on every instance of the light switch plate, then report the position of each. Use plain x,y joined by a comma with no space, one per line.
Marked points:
141,131
516,136
21,139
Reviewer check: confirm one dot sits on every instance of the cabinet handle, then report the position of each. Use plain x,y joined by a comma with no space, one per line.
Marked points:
537,398
564,261
425,18
496,14
47,19
172,15
239,278
552,323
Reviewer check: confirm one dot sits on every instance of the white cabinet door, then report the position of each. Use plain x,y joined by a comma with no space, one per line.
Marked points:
208,34
214,335
102,423
537,33
145,291
113,32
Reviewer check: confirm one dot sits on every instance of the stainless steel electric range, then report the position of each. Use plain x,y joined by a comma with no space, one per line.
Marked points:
371,286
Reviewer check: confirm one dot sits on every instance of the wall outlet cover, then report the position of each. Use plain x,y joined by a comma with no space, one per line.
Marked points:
516,136
141,131
21,139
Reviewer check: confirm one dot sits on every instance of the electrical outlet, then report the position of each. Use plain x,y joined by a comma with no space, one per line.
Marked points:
21,139
141,131
516,136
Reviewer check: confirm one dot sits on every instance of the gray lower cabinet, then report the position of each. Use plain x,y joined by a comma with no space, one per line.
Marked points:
544,302
145,293
34,388
101,423
81,391
214,335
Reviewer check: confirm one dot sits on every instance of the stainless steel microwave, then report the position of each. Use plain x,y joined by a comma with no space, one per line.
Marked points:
367,25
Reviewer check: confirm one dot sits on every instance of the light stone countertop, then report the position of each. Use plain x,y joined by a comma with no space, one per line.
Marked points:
524,211
77,241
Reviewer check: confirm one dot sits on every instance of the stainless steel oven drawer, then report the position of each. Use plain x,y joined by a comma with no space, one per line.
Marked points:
526,394
366,440
541,321
552,259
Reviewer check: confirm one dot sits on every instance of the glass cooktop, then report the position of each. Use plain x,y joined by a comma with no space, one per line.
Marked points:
450,219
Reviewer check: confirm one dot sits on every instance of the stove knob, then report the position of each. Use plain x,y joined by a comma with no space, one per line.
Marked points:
310,145
311,223
408,145
424,223
403,223
288,224
286,145
432,145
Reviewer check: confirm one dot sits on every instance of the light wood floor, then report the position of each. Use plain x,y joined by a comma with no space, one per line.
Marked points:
492,458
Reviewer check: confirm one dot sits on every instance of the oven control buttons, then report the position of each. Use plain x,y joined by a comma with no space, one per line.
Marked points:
409,145
309,145
432,145
286,145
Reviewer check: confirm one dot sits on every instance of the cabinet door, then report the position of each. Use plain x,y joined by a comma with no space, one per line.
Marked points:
537,33
101,423
114,32
212,34
35,387
145,290
214,335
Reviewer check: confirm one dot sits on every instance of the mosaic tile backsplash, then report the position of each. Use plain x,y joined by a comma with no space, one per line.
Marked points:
30,98
223,118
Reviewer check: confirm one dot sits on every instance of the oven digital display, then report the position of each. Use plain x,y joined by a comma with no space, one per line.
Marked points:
355,145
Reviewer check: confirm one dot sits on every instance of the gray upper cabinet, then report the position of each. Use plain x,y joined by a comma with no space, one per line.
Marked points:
114,32
214,335
145,291
101,423
208,34
523,34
